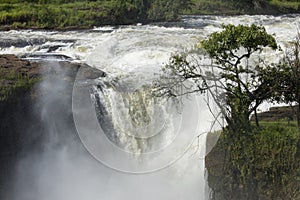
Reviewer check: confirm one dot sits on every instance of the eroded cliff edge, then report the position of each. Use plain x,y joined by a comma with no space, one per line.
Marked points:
35,101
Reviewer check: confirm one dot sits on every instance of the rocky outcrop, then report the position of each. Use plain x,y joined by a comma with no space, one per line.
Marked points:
16,75
12,62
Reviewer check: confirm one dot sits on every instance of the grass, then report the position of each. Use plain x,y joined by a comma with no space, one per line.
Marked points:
284,5
220,7
77,14
86,14
12,82
204,7
261,165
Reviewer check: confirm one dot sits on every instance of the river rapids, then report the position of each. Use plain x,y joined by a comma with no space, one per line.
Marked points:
142,147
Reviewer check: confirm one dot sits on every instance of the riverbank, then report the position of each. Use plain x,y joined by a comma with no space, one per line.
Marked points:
87,14
258,7
71,14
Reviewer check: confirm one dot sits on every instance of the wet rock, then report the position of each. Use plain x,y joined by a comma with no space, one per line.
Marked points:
5,43
88,72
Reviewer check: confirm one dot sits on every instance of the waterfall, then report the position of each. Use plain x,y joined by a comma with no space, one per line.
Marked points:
135,121
136,146
146,133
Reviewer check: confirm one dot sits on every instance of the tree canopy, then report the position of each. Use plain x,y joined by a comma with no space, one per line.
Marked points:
223,46
286,78
233,81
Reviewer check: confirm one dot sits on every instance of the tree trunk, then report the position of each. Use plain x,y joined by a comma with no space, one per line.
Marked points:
256,118
298,116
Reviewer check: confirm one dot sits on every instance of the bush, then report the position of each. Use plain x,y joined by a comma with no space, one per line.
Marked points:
264,165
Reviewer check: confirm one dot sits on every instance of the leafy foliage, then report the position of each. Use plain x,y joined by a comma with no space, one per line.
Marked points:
236,85
223,46
286,78
231,50
11,83
235,7
68,13
168,10
264,165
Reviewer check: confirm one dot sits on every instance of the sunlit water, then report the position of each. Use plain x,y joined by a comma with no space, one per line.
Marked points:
132,57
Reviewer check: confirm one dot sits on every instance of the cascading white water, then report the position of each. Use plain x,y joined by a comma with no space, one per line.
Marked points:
135,122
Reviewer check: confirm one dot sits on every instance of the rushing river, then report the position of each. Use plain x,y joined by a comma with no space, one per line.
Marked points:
148,148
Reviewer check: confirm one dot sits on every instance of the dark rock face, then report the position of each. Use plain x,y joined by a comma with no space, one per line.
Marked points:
30,115
11,62
14,111
21,42
16,75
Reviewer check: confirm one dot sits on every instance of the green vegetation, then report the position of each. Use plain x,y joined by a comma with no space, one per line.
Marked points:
216,7
263,165
51,15
248,162
237,81
286,78
244,90
286,5
234,83
13,82
234,7
89,13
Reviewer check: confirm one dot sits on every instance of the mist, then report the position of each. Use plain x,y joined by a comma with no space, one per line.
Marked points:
58,166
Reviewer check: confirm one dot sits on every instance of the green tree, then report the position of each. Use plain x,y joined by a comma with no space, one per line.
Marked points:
167,9
231,50
238,89
286,78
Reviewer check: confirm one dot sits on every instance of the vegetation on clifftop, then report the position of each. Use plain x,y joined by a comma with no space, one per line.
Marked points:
80,14
250,161
264,165
233,7
16,77
62,14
